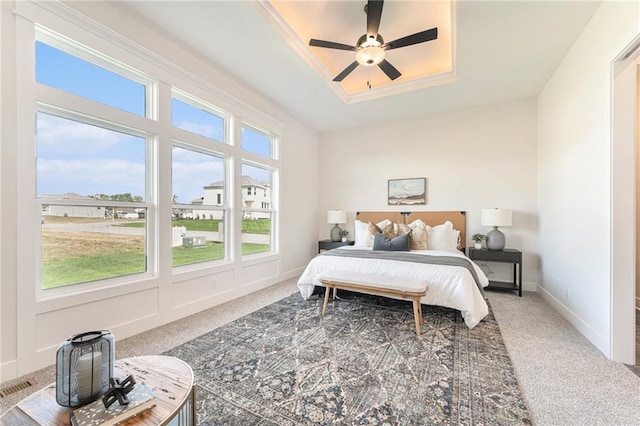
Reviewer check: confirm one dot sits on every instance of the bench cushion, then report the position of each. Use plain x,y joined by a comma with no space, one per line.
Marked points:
375,280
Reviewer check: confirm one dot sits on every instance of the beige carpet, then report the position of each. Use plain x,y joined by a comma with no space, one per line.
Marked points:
565,380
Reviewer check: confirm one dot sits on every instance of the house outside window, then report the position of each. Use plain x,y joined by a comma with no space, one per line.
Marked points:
198,220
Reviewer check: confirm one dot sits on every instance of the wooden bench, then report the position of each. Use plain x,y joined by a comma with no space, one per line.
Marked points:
395,287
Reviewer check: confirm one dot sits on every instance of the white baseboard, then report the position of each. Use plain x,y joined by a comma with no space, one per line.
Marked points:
294,273
598,340
8,370
529,286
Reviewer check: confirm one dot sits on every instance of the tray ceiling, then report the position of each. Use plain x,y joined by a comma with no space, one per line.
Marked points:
422,65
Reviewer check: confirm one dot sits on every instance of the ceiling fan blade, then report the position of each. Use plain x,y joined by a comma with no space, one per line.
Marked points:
374,14
346,71
389,69
330,45
416,38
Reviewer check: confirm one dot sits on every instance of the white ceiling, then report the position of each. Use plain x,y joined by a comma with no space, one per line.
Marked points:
505,50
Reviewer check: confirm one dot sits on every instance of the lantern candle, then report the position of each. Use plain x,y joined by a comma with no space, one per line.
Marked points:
89,374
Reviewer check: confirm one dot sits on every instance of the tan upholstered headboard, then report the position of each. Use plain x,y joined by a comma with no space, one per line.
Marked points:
457,218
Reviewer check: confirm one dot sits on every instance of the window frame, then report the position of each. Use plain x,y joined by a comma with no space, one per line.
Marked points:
273,247
101,60
272,140
225,209
162,80
205,106
66,105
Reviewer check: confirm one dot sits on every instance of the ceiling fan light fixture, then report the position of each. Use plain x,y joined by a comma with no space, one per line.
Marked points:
370,56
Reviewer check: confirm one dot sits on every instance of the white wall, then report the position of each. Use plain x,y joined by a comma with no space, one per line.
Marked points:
473,159
575,172
32,328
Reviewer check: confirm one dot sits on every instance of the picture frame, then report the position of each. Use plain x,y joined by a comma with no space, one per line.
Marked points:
402,192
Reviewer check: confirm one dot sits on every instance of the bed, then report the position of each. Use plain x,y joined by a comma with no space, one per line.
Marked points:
454,280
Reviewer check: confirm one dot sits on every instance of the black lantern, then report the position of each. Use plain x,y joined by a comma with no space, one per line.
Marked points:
84,366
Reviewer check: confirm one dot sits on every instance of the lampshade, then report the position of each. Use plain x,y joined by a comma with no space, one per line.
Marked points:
370,56
336,216
495,217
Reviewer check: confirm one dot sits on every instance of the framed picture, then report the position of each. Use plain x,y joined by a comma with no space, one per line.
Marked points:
407,191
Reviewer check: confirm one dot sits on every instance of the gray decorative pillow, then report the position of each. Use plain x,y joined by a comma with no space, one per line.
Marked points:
399,243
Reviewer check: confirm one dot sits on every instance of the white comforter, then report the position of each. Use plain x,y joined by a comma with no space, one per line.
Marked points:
450,286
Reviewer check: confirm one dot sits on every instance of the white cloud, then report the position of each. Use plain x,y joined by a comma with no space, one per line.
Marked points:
89,176
192,172
206,130
61,136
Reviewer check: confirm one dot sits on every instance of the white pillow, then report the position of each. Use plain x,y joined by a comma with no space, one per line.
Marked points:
443,237
362,234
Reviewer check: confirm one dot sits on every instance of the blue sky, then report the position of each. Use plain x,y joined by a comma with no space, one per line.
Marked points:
87,160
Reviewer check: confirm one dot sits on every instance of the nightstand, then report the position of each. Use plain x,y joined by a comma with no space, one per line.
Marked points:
503,256
328,244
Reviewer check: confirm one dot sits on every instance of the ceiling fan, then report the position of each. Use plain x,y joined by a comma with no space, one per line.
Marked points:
370,48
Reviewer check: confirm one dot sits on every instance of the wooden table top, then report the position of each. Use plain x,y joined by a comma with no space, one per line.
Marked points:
170,379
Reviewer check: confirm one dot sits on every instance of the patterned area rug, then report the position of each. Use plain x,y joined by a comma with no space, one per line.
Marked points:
362,364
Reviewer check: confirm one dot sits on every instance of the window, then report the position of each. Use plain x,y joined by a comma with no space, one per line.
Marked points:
257,222
60,70
256,141
87,160
197,119
99,166
92,189
198,220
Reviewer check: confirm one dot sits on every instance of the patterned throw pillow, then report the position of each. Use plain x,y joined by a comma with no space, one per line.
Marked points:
419,231
373,230
385,227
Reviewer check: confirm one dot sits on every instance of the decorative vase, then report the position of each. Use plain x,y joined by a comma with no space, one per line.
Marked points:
344,239
478,245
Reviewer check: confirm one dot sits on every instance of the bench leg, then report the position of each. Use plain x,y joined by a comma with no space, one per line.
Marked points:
326,300
418,318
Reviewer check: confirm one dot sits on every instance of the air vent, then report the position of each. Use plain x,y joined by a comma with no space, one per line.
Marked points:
15,388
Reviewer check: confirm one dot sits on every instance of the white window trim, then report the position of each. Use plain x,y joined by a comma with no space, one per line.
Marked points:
59,18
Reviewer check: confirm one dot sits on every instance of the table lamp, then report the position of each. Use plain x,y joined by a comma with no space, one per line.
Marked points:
336,217
495,218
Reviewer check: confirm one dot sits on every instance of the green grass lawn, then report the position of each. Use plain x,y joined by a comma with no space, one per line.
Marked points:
80,269
74,270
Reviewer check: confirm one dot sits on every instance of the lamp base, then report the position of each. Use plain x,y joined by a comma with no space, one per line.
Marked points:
495,239
335,233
